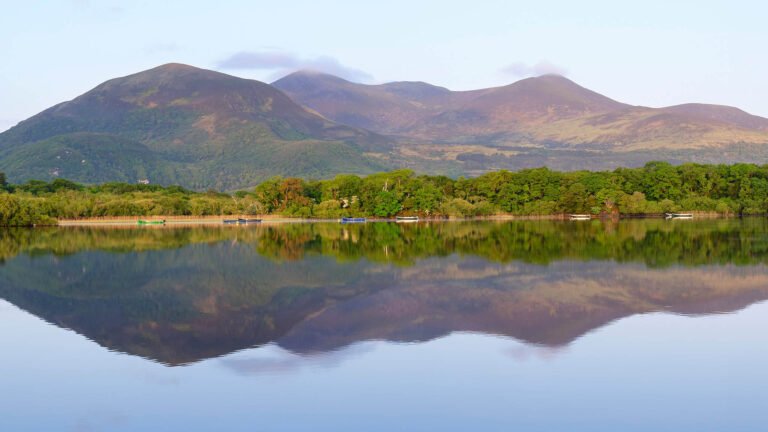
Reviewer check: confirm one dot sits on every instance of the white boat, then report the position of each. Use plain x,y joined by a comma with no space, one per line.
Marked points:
580,217
406,218
679,215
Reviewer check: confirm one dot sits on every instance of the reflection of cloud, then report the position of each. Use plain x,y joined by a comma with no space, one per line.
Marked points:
83,425
100,421
164,380
282,63
525,352
543,67
283,361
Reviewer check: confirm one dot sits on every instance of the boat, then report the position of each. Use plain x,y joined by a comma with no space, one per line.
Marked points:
241,221
580,217
406,218
143,222
353,220
679,216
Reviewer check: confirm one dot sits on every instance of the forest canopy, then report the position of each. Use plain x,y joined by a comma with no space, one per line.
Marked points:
656,188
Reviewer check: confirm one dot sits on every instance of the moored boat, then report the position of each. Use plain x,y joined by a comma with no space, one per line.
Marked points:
580,217
679,216
353,220
143,222
406,218
241,221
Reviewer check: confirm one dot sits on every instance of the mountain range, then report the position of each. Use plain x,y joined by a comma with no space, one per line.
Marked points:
532,111
204,129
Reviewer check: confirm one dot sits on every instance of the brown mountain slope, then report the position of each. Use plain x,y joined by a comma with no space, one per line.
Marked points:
388,108
640,128
517,108
722,114
545,111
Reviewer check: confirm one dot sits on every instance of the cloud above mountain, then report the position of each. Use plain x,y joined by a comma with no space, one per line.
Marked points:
281,63
542,67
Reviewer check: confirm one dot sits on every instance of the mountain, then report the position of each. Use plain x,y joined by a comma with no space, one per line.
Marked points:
178,123
204,129
547,120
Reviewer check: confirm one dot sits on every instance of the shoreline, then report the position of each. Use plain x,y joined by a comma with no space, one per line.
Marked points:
276,219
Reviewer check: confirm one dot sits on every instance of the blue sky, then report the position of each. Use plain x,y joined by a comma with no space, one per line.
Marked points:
649,52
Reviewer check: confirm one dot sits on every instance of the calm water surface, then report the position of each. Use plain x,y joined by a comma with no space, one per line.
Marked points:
482,326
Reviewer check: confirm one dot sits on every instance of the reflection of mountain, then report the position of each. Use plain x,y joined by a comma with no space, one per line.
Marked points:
548,308
179,296
177,305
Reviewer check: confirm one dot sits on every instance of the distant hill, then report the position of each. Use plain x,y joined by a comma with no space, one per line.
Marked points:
177,123
547,120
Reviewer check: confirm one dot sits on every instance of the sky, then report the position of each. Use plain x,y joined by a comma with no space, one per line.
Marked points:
650,52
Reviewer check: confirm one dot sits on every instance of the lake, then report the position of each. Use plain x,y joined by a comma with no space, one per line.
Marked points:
457,326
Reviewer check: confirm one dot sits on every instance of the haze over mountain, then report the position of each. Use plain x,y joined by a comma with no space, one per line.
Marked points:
203,129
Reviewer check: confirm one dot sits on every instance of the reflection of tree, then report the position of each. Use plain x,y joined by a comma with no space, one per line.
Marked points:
654,242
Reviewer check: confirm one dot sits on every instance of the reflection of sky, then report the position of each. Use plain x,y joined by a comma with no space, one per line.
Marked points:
650,372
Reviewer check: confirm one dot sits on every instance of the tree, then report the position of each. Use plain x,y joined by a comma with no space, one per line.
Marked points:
3,182
386,204
575,199
426,198
661,181
268,192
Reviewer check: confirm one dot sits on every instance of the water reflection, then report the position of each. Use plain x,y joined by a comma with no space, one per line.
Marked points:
185,294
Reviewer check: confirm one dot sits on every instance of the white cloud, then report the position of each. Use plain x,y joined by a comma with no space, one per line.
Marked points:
542,67
282,63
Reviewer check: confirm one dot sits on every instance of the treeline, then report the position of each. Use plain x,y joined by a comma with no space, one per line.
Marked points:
656,188
42,203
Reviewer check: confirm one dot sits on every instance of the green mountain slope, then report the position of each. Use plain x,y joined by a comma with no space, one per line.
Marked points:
177,123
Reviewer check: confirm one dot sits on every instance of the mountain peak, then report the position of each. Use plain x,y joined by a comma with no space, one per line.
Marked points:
308,80
547,91
175,67
548,80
